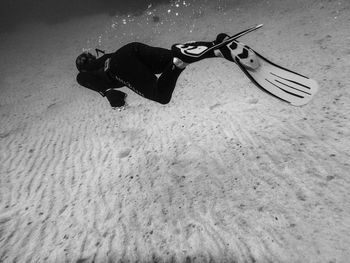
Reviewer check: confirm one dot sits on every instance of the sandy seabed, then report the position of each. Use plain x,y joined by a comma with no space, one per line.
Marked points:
223,173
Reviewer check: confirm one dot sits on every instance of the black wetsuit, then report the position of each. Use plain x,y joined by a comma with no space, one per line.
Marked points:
134,65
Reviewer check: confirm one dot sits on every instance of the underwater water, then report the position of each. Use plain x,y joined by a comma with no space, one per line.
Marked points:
176,20
52,11
223,173
18,13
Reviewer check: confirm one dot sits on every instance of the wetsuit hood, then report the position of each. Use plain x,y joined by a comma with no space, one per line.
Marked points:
85,62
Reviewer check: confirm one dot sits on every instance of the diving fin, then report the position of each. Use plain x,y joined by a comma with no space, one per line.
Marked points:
277,81
194,51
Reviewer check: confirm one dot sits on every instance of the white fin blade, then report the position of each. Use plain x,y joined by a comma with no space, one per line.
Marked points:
280,82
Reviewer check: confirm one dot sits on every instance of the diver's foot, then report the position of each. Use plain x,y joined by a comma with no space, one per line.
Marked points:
179,63
220,38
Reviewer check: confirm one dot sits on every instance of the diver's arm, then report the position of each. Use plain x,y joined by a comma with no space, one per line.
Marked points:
93,82
115,97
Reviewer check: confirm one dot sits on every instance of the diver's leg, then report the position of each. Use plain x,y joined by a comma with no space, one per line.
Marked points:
136,71
126,67
167,83
161,60
155,58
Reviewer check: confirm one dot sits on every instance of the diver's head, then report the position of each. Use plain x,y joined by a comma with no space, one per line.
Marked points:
84,60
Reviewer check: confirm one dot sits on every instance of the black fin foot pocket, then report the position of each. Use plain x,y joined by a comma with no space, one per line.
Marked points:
193,51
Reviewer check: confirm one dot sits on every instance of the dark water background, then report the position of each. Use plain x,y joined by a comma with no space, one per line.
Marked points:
14,13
